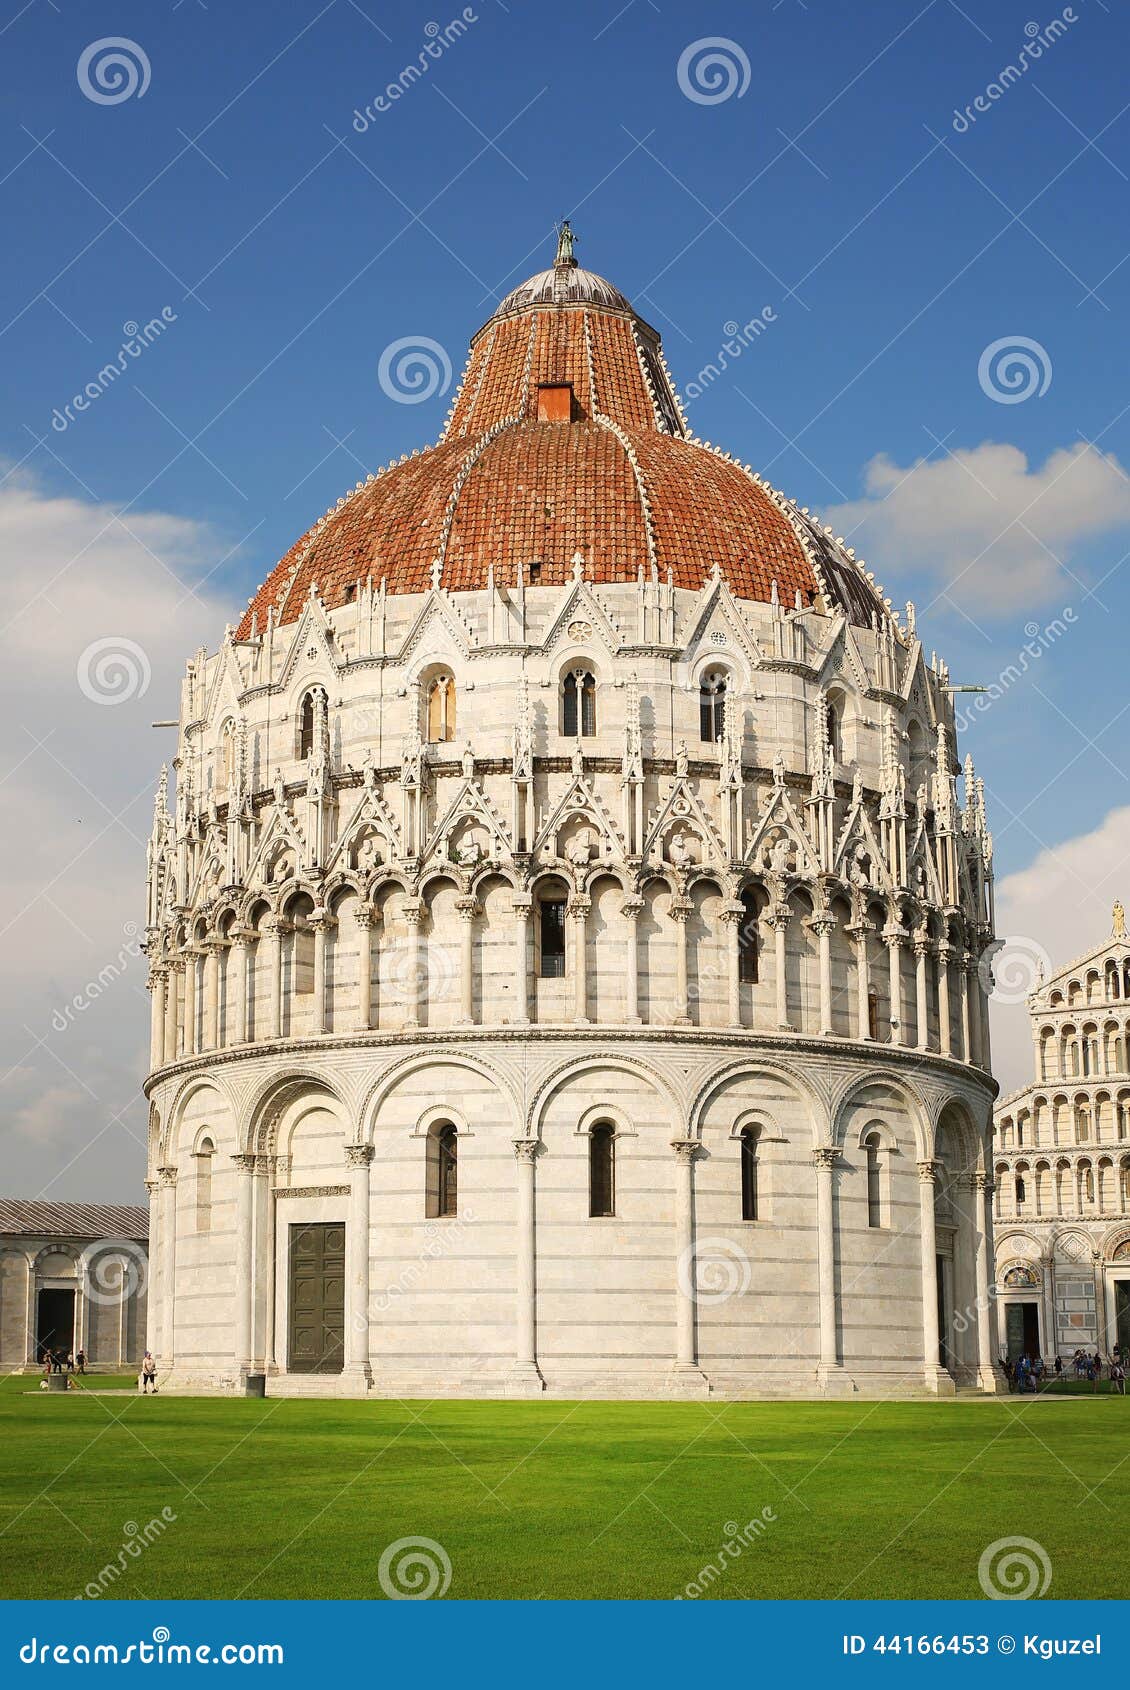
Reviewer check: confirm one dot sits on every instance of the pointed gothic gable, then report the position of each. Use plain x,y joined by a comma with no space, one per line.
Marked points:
920,855
780,816
312,634
916,690
717,612
371,811
280,831
858,831
470,804
842,659
226,686
580,801
580,604
438,616
683,806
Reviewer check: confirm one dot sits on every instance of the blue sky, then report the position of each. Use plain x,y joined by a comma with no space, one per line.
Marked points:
289,244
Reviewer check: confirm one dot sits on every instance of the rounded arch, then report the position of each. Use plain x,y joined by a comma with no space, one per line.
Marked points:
375,1097
575,1066
174,1115
274,1096
850,1089
753,1065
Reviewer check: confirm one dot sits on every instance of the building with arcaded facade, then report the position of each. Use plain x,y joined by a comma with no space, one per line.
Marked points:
72,1277
1061,1151
567,940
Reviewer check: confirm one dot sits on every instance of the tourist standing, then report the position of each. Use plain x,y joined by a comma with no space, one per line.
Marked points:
148,1373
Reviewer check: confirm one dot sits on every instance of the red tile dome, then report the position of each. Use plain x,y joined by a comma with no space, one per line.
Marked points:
566,437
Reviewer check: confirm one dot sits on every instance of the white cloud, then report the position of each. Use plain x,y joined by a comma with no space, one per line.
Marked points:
77,778
1062,901
981,521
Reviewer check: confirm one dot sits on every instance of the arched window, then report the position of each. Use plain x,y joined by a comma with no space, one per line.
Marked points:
306,726
872,1013
1019,1134
1019,1192
441,709
748,1142
551,938
578,704
204,1155
442,1196
602,1170
748,940
834,732
225,771
874,1150
712,706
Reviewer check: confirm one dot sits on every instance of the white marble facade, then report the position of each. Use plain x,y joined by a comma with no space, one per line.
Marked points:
346,951
1061,1149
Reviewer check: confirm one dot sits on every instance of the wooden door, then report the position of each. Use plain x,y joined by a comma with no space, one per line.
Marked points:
317,1297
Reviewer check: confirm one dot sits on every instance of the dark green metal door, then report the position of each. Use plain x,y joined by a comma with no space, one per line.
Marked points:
317,1298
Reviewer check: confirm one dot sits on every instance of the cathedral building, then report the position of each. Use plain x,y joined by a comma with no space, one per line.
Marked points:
1062,1165
568,938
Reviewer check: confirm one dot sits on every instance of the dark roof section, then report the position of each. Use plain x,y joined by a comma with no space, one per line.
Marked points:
73,1220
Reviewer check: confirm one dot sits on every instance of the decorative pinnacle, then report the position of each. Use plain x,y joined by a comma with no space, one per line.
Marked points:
565,239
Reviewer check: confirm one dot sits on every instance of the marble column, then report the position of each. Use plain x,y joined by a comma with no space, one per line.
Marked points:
973,997
243,942
175,972
686,1360
273,929
413,912
936,1376
358,1160
893,939
189,1030
825,1157
988,1369
167,1232
631,909
858,933
155,1290
779,921
680,912
323,924
921,989
363,1009
1102,1335
578,910
468,909
823,927
945,1034
242,1288
157,982
731,916
523,912
212,953
966,1051
526,1371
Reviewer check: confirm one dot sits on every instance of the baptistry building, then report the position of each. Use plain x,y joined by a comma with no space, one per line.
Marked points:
569,930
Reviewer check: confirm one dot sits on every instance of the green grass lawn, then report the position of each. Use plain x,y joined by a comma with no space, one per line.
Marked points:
299,1498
